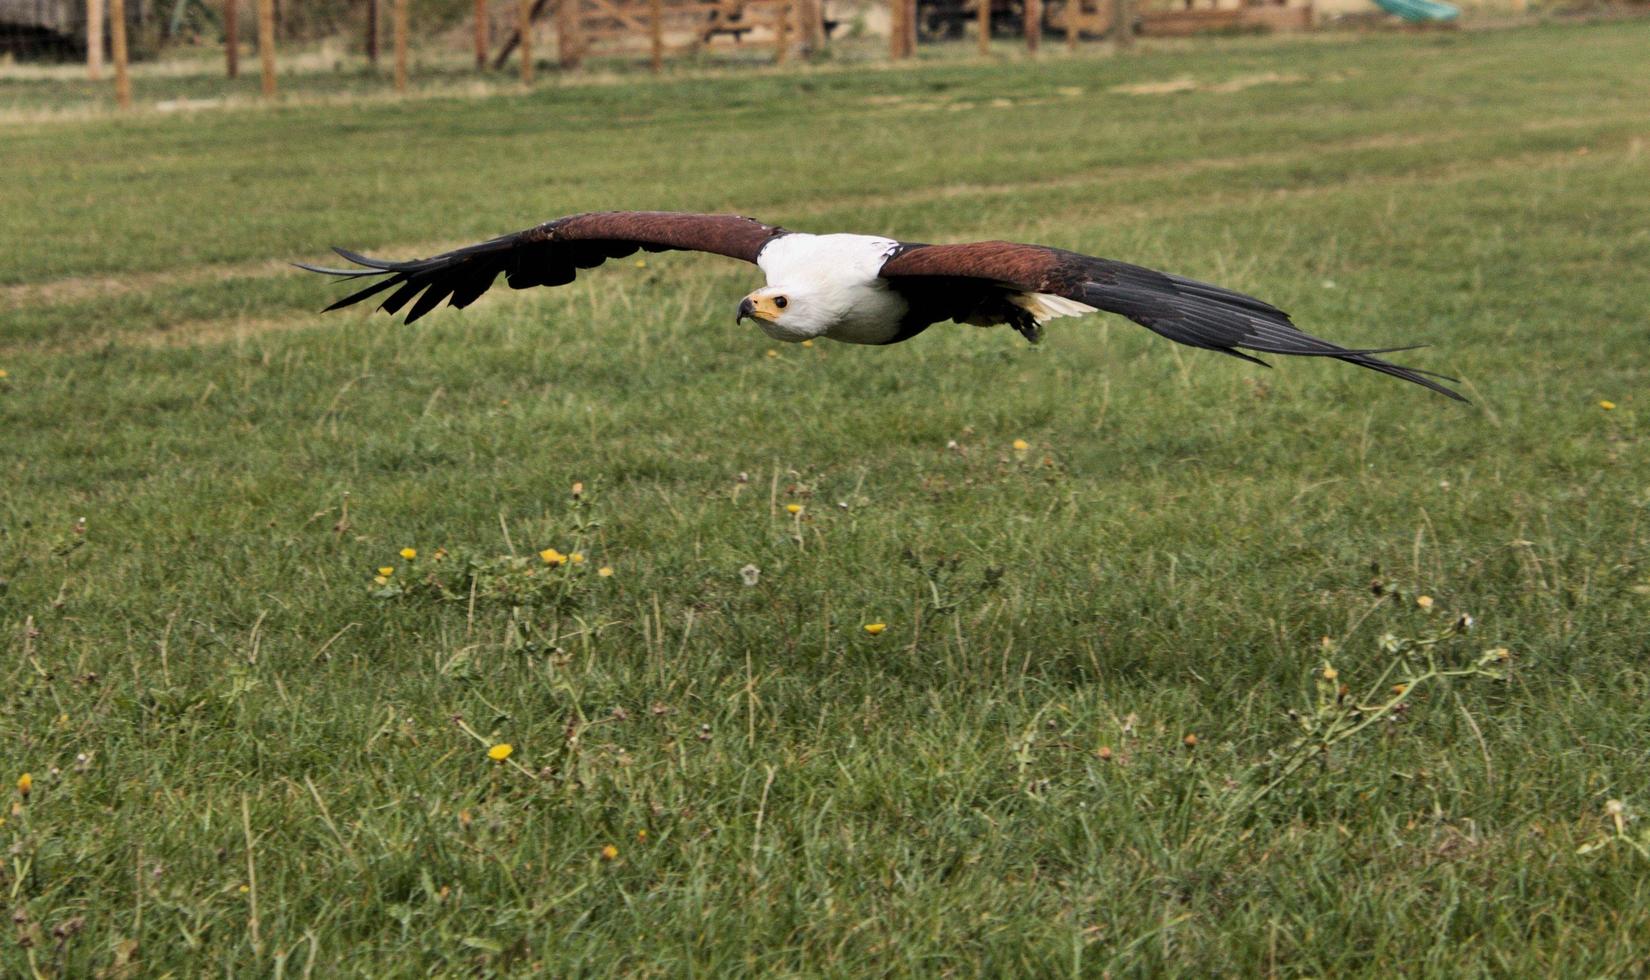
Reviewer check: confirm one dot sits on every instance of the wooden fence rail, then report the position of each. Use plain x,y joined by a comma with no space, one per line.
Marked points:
656,28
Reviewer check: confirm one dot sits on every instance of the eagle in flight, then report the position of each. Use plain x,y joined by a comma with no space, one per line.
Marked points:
861,289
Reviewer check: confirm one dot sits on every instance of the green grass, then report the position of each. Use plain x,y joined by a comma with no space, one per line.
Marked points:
223,721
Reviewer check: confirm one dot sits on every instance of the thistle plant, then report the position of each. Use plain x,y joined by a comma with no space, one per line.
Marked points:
1336,716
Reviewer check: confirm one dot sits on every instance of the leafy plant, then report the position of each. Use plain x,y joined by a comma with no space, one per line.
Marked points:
1337,717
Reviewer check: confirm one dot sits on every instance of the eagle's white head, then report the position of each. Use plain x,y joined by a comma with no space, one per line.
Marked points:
783,314
825,286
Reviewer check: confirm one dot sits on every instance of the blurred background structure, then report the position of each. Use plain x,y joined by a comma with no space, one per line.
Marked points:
413,40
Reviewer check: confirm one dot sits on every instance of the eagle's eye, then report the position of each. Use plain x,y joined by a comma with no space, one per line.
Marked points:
780,302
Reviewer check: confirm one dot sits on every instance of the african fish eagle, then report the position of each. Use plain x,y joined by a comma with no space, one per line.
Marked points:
861,289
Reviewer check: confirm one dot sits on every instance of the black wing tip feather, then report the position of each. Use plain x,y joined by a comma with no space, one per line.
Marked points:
1285,338
1364,358
323,270
1414,375
369,266
381,265
1310,346
1199,314
413,277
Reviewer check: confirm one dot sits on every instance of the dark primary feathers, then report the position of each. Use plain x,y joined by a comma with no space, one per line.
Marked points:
1184,310
546,255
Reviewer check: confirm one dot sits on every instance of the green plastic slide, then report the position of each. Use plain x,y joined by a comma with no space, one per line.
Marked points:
1420,10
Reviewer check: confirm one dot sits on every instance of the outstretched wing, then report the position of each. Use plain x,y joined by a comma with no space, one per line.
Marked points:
955,280
546,255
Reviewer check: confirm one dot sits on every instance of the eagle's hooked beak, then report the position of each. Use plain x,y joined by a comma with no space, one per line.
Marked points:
746,309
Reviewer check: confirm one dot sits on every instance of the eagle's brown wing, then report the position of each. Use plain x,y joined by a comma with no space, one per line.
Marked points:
547,255
968,282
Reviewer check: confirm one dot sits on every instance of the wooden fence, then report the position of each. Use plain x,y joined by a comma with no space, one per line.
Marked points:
659,29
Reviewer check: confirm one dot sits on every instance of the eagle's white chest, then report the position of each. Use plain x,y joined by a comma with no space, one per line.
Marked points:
832,288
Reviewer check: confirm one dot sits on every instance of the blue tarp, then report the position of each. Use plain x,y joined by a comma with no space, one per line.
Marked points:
1419,9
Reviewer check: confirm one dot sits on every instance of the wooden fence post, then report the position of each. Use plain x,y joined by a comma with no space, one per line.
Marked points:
481,35
400,14
808,13
656,33
232,38
1074,10
569,35
524,37
94,40
117,34
1122,24
1034,25
984,20
372,33
782,31
266,45
902,29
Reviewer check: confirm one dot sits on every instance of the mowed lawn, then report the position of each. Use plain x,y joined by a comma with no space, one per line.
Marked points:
1122,583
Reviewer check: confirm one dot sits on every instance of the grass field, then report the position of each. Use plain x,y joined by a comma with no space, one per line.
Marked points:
248,757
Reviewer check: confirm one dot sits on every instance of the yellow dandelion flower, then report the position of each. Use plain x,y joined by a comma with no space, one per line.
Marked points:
875,629
500,752
807,343
772,352
575,557
793,508
606,571
1330,673
245,889
610,853
552,557
1608,406
1190,740
1424,601
409,553
1020,445
641,263
387,571
4,374
25,783
641,835
1399,688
